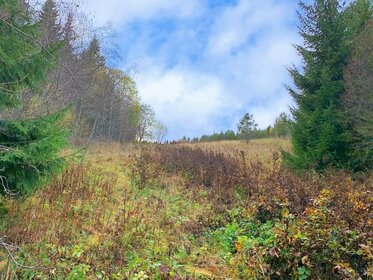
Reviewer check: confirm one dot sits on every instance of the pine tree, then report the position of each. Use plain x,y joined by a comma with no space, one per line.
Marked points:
246,126
51,31
320,132
90,103
92,57
29,149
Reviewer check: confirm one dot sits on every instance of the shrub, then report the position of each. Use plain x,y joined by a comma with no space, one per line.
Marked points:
287,225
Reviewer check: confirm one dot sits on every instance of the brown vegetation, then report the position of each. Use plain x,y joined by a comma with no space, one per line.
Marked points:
321,209
184,212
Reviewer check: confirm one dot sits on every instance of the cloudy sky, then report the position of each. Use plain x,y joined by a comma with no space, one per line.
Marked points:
201,64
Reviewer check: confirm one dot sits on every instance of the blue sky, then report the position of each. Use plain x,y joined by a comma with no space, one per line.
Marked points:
201,64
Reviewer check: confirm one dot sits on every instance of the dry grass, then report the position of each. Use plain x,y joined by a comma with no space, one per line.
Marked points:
94,220
187,212
258,149
319,226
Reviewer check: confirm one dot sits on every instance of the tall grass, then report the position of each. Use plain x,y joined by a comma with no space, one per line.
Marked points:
319,226
190,212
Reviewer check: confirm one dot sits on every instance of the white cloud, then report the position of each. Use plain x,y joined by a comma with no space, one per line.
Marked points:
245,21
205,68
252,43
186,101
122,12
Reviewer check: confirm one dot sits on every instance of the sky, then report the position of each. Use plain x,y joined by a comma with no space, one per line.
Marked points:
202,64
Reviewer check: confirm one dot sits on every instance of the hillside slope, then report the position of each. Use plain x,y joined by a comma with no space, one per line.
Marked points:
188,212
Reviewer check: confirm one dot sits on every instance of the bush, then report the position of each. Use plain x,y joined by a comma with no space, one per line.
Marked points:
278,224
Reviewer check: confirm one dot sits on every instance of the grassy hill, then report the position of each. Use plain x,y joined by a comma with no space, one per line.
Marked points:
221,210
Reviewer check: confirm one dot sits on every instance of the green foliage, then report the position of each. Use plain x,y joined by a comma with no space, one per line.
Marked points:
358,98
23,63
246,126
31,151
282,126
320,133
227,135
315,245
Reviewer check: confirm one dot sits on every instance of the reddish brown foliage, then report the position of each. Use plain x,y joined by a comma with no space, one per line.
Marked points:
234,179
62,200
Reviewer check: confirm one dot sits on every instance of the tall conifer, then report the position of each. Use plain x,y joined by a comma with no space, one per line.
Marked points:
320,132
50,27
29,149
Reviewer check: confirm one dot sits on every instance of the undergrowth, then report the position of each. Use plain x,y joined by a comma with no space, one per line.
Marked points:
275,224
181,212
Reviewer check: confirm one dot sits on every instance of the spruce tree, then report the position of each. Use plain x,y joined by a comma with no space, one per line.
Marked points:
358,99
69,35
321,133
92,57
50,27
29,149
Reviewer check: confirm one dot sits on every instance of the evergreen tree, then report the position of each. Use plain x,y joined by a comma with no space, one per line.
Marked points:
50,27
22,64
29,149
269,131
69,34
358,99
246,126
320,133
281,126
92,57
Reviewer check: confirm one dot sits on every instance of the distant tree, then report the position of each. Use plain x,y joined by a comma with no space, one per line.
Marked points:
68,32
51,30
227,135
159,132
92,57
230,135
146,123
204,138
320,132
281,127
269,130
246,126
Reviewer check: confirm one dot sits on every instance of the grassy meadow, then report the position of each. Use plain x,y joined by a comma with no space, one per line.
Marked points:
75,204
257,149
221,210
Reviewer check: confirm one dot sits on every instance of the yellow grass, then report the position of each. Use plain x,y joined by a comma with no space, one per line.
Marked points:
116,217
261,149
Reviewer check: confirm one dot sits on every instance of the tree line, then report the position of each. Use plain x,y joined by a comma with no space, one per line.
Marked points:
57,88
247,129
104,101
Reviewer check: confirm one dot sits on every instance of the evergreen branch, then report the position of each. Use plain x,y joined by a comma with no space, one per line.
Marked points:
28,37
